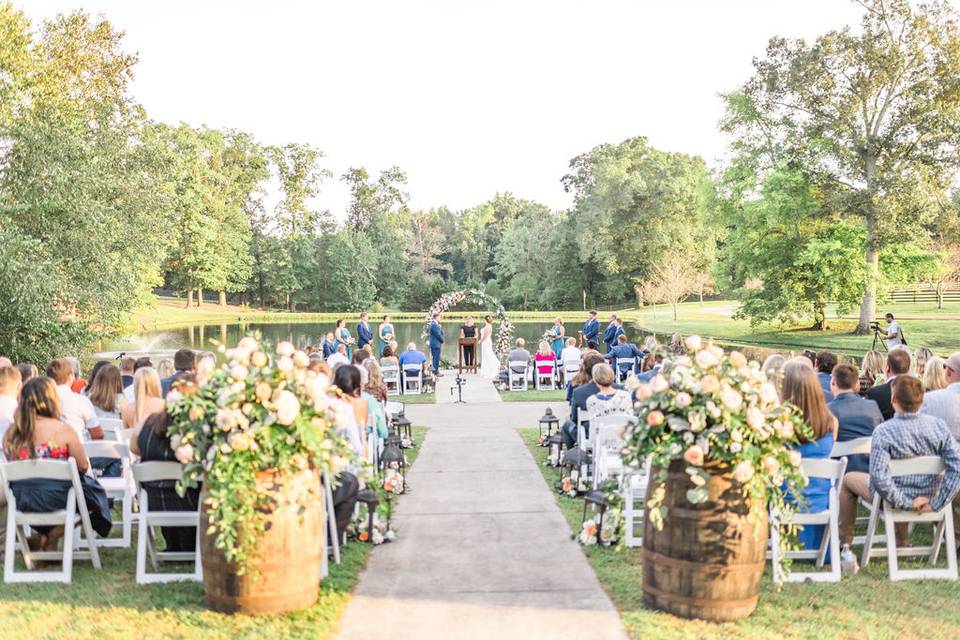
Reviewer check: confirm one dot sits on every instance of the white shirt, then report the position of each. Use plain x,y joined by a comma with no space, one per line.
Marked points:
77,411
129,395
944,404
896,340
570,354
8,407
337,358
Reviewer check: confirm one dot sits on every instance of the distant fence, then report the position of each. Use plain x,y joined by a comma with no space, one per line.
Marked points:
925,293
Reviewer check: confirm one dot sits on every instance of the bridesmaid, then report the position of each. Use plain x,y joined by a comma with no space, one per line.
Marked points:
342,337
556,345
386,334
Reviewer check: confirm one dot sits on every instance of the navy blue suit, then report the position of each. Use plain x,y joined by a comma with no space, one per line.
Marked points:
857,417
610,335
436,343
824,379
591,330
328,348
625,351
364,335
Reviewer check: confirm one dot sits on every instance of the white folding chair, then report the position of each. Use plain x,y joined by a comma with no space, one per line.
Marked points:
607,442
623,374
570,369
942,522
858,446
147,520
73,514
833,471
331,528
634,503
517,375
111,427
545,379
121,489
391,379
413,383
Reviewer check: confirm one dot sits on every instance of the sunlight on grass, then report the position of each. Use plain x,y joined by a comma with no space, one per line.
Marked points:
531,395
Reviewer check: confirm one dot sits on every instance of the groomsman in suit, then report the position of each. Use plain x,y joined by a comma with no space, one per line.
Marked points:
591,328
436,343
619,332
328,345
364,334
610,334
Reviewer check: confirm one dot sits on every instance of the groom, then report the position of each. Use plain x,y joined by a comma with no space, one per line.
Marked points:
436,342
591,328
364,334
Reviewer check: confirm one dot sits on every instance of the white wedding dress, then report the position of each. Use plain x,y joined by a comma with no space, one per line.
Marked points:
489,364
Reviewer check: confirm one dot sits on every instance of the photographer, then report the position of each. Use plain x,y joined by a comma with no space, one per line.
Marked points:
893,334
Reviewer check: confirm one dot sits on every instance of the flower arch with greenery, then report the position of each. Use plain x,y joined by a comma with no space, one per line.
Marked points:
451,299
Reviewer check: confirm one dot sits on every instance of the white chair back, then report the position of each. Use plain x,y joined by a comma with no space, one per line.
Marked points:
545,379
619,370
391,378
111,427
853,447
517,375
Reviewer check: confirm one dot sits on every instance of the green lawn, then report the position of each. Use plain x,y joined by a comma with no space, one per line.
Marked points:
532,395
423,398
923,325
865,606
109,604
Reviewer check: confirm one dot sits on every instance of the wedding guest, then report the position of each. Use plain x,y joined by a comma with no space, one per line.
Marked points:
945,403
412,361
165,369
773,368
802,388
934,375
184,362
376,415
592,347
27,371
147,398
898,364
619,331
469,330
435,342
824,364
10,383
328,346
359,356
591,328
920,358
106,393
676,345
908,434
389,358
518,355
126,370
77,410
558,330
79,384
385,332
570,352
857,417
342,337
350,382
346,485
871,372
608,400
374,384
610,333
545,358
578,398
99,364
625,356
653,365
364,334
140,363
338,357
38,432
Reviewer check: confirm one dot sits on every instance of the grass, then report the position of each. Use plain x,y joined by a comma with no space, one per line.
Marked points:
923,325
548,395
865,606
109,604
423,398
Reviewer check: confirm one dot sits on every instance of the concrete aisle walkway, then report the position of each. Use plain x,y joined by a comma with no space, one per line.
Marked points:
476,390
482,549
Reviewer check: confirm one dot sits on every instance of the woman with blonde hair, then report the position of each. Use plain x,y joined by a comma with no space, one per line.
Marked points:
802,389
920,359
871,373
545,358
773,368
165,368
147,398
934,373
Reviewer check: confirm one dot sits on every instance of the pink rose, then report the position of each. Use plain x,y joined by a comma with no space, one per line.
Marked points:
743,472
655,418
683,400
694,455
794,457
643,392
184,453
285,349
771,465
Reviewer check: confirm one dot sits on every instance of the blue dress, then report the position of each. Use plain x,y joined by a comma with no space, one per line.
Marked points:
557,344
386,334
817,493
342,336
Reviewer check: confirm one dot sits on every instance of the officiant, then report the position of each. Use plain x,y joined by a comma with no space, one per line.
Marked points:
469,330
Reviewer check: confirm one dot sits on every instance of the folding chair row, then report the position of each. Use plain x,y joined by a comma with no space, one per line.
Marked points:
120,489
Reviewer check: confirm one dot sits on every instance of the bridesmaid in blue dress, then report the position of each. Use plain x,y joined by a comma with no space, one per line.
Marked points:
556,344
342,337
802,389
385,333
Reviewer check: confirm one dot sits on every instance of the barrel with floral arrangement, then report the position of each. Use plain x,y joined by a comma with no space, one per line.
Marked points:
719,441
257,435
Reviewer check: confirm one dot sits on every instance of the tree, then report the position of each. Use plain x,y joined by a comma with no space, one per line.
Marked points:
675,279
872,118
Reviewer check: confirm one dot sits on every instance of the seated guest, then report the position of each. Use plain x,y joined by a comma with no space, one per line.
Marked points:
677,345
591,348
545,358
99,364
898,364
517,356
346,486
907,435
389,359
27,371
77,410
934,375
412,361
857,416
920,359
625,356
165,369
802,388
126,370
374,384
147,398
338,357
653,363
871,371
570,352
151,443
328,345
945,403
608,401
359,355
184,361
106,393
79,384
140,363
579,395
773,368
38,432
10,383
825,363
376,415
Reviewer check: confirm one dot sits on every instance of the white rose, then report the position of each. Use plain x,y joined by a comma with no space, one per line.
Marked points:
248,343
693,343
300,359
767,393
239,372
184,453
285,349
755,418
706,359
743,472
659,383
683,400
731,399
288,407
285,364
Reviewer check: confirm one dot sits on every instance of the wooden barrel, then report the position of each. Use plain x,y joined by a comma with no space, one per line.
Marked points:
286,574
708,559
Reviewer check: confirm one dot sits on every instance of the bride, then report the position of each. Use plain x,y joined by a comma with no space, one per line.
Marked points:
489,364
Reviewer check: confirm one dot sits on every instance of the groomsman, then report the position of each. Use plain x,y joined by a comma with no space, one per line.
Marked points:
619,332
591,328
436,342
610,334
364,334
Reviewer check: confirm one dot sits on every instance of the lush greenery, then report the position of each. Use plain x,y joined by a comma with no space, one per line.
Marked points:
867,605
532,395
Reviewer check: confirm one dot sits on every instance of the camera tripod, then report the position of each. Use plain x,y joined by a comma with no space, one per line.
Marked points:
459,381
878,340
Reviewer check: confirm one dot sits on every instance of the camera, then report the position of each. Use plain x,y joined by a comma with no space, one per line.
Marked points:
875,326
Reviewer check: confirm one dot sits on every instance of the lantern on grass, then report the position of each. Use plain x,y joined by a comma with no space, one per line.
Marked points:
555,442
370,499
575,460
403,427
599,501
394,464
548,422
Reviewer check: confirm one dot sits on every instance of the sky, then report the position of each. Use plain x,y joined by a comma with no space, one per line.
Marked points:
469,98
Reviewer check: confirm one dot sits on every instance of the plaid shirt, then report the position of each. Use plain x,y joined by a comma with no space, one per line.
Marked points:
909,435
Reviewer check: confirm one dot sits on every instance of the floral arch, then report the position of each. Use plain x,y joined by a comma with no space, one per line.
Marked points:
504,339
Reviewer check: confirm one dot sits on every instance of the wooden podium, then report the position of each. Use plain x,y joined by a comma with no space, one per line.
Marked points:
467,342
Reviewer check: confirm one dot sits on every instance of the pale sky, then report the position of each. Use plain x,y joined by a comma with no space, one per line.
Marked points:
469,98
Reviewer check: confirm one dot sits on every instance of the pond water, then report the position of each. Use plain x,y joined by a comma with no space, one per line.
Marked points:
207,336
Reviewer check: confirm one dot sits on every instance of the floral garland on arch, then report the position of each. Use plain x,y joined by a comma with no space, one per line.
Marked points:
504,339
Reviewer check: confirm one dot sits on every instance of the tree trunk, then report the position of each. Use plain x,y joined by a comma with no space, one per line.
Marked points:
701,296
868,307
189,294
199,296
940,288
674,304
584,292
223,298
639,294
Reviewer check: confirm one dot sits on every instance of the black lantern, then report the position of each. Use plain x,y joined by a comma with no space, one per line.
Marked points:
393,458
555,442
550,422
575,460
403,427
599,501
369,498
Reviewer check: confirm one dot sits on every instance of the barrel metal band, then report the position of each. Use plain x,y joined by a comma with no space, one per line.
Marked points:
700,602
659,558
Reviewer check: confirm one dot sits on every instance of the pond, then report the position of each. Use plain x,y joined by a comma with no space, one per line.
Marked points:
303,334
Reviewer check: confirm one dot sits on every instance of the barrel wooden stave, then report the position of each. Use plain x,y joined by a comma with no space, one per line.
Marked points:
708,559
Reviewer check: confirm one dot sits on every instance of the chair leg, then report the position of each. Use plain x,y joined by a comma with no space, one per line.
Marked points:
10,549
889,528
951,545
143,531
871,531
775,549
834,546
24,548
68,527
938,530
198,561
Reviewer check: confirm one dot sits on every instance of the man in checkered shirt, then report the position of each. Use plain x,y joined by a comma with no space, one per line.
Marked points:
908,434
